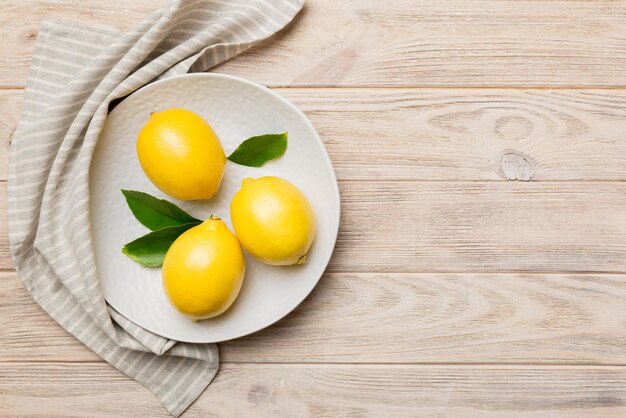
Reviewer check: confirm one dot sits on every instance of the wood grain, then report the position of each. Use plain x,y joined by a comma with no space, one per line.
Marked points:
403,134
20,22
10,108
476,226
5,253
369,42
98,390
439,318
394,318
488,227
471,227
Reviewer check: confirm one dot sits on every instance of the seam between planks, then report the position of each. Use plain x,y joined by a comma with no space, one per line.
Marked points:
486,273
412,87
13,87
503,365
473,272
459,181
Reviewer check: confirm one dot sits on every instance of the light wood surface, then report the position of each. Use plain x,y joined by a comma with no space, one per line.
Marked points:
400,42
346,390
397,318
480,269
467,134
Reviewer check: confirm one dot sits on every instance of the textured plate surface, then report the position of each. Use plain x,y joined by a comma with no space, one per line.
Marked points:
237,109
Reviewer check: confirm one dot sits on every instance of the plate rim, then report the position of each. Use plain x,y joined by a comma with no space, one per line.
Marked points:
327,160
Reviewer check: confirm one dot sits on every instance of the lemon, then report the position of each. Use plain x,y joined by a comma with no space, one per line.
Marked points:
181,155
273,220
203,270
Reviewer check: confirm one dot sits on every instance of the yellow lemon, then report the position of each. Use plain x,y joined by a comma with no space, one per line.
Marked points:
203,270
181,155
273,220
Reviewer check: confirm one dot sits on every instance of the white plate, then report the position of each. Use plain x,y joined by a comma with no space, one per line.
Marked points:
237,109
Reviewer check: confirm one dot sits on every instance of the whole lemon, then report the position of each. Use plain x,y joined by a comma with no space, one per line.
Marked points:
181,155
273,220
203,270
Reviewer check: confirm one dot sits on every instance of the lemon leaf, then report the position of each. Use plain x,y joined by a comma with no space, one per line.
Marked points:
156,213
150,250
256,151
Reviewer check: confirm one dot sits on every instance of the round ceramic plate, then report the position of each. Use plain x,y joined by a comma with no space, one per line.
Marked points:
237,109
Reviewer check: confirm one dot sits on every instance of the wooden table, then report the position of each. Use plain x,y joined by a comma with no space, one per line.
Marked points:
480,269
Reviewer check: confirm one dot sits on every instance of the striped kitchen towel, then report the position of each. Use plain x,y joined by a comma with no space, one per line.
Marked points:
76,73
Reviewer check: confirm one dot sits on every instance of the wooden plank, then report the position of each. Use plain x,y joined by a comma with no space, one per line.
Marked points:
394,318
417,134
400,134
98,390
369,42
481,227
456,318
471,227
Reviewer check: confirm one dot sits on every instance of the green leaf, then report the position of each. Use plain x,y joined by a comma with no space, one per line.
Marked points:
156,213
256,151
150,250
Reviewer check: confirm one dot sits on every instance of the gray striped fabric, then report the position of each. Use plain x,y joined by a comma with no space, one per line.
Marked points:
77,71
